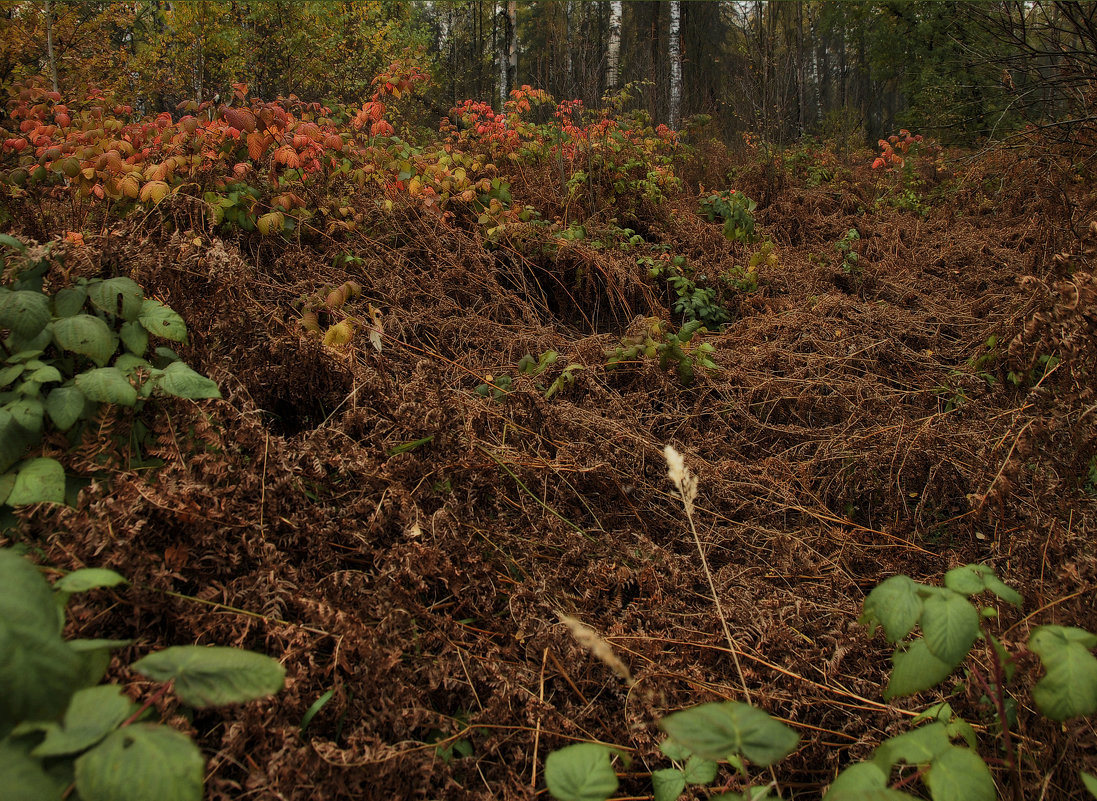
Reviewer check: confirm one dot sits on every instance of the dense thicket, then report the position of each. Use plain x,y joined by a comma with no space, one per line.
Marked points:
961,70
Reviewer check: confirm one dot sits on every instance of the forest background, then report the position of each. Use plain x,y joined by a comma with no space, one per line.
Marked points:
958,71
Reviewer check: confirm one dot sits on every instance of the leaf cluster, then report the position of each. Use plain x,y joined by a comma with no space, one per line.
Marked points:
65,735
69,352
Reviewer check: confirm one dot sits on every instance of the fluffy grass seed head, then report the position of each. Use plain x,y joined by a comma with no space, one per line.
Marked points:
599,648
683,479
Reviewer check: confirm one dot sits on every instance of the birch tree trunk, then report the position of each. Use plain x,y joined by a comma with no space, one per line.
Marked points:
675,53
512,46
613,47
49,46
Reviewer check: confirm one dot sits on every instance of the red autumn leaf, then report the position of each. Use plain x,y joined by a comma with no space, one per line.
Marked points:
878,163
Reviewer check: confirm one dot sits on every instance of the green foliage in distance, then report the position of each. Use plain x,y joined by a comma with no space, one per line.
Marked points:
844,246
694,302
673,349
66,353
63,735
498,387
698,738
737,212
950,624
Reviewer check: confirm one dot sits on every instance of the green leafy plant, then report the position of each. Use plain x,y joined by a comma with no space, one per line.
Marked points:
672,349
63,735
65,354
694,302
698,738
951,623
737,212
850,259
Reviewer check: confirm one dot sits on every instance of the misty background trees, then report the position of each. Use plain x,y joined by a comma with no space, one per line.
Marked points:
961,70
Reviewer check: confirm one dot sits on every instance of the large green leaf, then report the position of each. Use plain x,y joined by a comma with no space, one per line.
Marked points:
162,321
107,385
14,440
121,297
89,578
95,656
25,313
69,301
134,337
24,779
1070,687
87,335
212,676
92,714
1090,783
38,673
27,413
863,781
950,625
916,747
26,599
10,373
668,784
39,480
960,775
915,669
580,772
181,381
895,605
139,763
718,730
65,405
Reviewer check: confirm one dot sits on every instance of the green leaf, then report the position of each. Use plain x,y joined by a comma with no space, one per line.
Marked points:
716,729
915,669
668,784
38,481
91,715
69,301
699,770
65,405
580,772
25,313
1006,593
94,656
107,385
14,439
45,374
134,337
861,781
9,241
895,605
7,481
316,706
27,413
1090,782
24,778
139,763
160,320
121,297
89,578
87,335
675,750
916,747
1070,687
38,673
950,624
9,374
181,381
966,580
960,775
214,676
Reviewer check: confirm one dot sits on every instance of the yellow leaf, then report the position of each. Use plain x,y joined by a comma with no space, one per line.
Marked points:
270,223
153,191
339,334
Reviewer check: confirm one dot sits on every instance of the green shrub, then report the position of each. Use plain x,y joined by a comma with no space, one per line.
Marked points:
65,354
63,735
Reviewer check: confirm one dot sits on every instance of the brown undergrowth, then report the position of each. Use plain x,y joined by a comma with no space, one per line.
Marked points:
396,538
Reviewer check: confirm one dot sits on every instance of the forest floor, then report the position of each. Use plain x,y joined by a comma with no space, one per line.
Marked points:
409,544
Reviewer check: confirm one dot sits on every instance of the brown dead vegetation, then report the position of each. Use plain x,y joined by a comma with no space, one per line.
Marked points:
846,438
